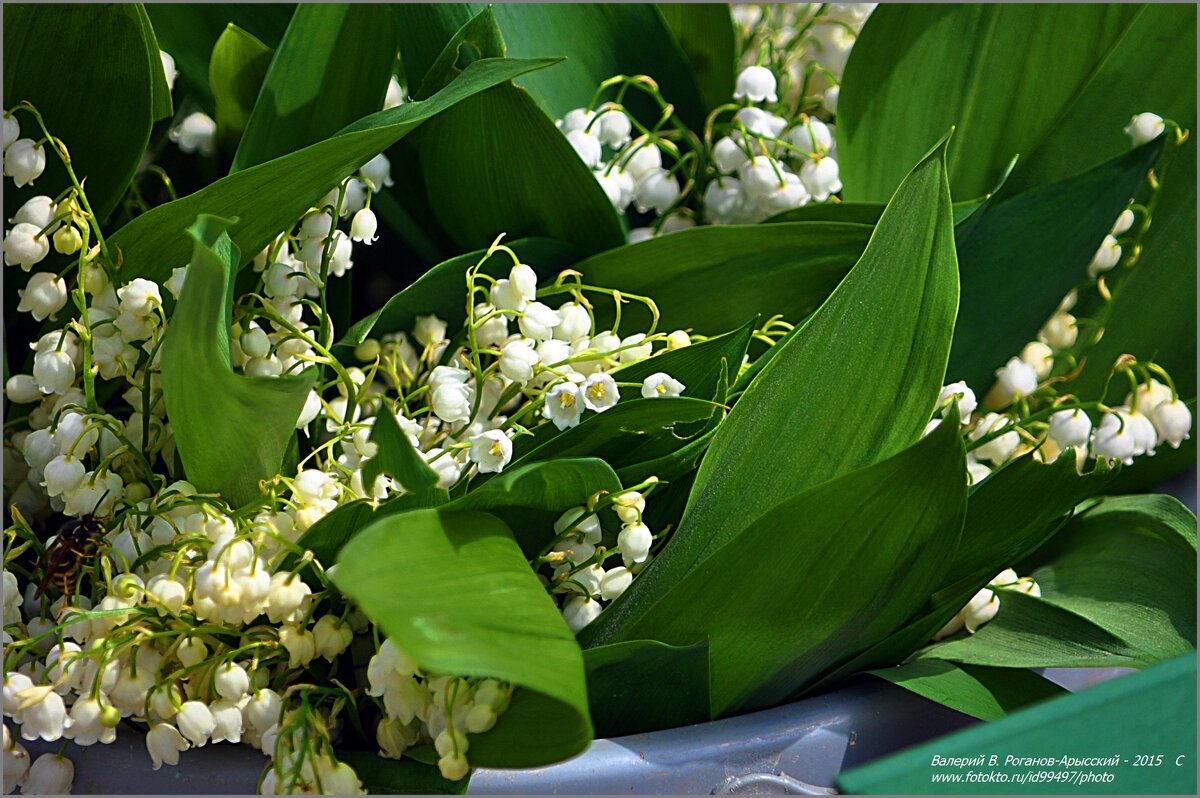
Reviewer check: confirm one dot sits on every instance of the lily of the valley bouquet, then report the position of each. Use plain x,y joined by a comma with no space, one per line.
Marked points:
738,353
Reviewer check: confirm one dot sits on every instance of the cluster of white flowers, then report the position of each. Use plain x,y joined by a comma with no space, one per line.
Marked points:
984,605
630,170
577,558
778,166
425,707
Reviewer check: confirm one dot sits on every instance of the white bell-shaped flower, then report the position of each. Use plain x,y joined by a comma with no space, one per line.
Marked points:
1106,257
196,133
1114,439
24,161
1070,428
821,178
564,405
757,84
1144,127
1173,420
491,450
24,246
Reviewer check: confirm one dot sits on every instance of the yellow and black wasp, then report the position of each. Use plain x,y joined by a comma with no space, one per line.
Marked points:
74,546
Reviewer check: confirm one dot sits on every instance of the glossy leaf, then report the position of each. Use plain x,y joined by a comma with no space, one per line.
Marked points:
236,72
877,345
917,70
270,197
1009,515
1031,633
466,602
397,457
984,693
706,36
94,74
870,545
715,278
1128,564
644,685
598,41
312,89
189,31
1025,252
230,430
490,164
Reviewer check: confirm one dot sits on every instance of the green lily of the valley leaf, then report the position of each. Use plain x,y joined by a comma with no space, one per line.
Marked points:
397,457
1009,515
189,32
644,685
715,278
706,36
1028,632
916,70
230,430
455,592
598,41
438,290
1127,564
491,164
270,197
531,497
312,89
870,546
101,100
984,693
236,72
878,345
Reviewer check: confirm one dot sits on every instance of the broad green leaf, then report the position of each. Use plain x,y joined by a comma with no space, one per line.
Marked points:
916,70
1128,564
236,72
440,290
383,776
1028,632
598,40
189,31
331,68
714,278
531,497
1009,515
1024,253
866,212
984,693
270,197
397,457
94,74
857,385
848,560
455,593
706,36
230,430
644,685
491,165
